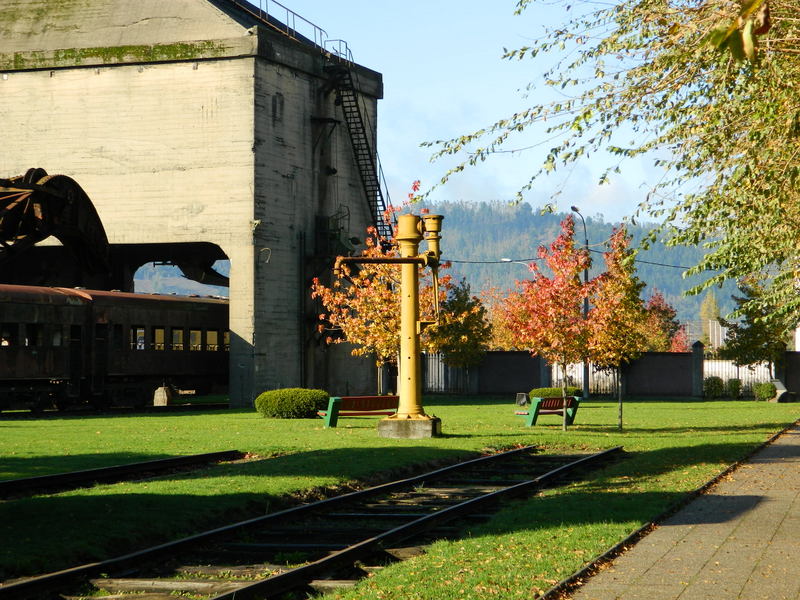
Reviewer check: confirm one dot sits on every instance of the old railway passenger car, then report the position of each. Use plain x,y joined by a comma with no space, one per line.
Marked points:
62,346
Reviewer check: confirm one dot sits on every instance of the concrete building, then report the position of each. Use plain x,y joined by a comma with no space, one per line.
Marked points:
203,121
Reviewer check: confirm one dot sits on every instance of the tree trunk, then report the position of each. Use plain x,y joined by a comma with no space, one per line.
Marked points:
619,397
564,395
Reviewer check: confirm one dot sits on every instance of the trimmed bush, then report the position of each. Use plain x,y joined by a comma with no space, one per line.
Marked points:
734,388
291,403
713,387
764,391
554,392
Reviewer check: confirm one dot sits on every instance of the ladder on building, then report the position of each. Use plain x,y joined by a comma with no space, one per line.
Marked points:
360,136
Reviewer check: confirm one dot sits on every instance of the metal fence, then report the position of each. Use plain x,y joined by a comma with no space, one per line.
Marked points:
748,375
603,383
437,377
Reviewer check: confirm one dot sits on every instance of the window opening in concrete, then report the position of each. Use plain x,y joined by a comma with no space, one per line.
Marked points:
226,341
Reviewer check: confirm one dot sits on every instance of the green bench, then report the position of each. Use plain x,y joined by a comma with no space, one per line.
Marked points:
358,406
550,406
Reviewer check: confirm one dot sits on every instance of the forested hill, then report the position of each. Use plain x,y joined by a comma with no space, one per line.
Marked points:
486,232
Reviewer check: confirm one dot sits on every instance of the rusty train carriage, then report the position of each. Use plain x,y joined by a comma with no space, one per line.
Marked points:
62,347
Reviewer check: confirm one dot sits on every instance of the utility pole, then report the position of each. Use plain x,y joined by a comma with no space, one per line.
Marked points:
585,301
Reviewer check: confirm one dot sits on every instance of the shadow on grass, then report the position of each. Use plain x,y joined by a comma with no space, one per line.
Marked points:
58,531
16,467
616,495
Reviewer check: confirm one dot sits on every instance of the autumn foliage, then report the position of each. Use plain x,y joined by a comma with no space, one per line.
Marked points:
617,320
663,331
547,311
547,315
362,307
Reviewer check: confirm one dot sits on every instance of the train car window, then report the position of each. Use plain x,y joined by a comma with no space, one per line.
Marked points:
9,334
226,341
177,338
33,334
58,336
212,340
137,337
159,338
118,341
195,339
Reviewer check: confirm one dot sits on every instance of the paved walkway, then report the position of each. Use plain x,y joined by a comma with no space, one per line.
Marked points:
740,541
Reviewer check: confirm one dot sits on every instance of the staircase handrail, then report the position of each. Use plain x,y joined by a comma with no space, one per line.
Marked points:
337,48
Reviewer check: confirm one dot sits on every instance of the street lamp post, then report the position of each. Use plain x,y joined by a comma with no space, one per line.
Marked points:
585,301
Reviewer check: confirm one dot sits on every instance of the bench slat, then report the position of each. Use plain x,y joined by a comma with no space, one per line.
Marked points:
356,406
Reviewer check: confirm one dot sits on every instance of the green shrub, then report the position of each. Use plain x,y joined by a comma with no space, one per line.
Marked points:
291,403
764,391
734,388
713,387
552,392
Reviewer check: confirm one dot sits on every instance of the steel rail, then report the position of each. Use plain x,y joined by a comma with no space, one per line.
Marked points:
291,579
85,477
25,588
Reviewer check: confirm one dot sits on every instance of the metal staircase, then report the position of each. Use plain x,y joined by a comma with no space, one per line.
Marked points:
362,139
361,133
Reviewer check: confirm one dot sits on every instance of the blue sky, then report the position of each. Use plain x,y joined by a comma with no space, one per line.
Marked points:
444,76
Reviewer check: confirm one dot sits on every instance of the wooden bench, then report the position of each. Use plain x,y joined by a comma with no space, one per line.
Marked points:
550,406
358,406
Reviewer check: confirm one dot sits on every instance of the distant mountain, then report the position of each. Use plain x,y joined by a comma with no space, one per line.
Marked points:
475,236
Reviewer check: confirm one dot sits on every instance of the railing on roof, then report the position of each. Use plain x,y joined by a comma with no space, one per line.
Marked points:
285,19
296,27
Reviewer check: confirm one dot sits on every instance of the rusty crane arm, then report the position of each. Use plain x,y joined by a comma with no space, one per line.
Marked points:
35,206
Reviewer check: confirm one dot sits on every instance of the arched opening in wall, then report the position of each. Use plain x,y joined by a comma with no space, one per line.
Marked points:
168,278
185,269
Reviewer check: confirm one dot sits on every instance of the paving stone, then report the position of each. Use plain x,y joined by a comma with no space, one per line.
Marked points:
739,542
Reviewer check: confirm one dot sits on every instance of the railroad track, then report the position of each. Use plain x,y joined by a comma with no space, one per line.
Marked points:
318,546
75,479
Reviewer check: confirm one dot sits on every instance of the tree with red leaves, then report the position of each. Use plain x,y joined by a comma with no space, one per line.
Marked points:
547,312
663,326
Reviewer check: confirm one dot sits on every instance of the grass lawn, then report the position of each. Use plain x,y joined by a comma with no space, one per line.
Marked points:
673,447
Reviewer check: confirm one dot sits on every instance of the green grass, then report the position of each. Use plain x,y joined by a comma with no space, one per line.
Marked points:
673,448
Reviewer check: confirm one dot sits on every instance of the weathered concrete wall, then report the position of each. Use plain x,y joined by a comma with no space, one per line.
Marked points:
509,373
41,26
660,374
217,140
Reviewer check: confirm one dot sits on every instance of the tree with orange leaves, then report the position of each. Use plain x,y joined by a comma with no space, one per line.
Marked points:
547,312
618,318
363,308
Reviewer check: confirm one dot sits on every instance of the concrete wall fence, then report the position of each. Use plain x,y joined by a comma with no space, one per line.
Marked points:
669,374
